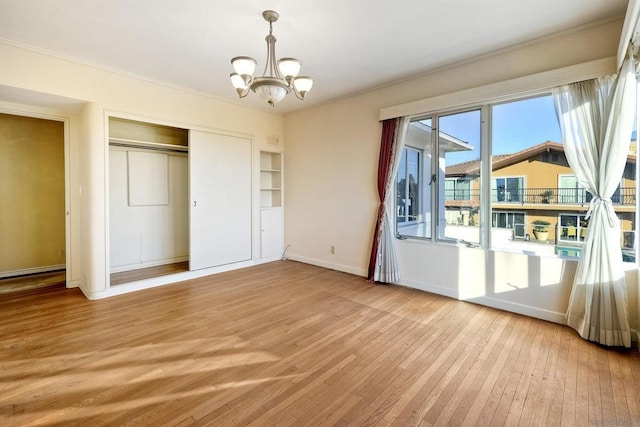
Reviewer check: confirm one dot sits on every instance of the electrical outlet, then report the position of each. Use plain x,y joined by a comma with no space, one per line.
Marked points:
332,250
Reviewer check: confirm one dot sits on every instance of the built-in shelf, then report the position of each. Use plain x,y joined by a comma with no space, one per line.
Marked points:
270,179
132,133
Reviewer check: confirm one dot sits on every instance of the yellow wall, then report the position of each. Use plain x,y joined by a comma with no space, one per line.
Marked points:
32,222
537,174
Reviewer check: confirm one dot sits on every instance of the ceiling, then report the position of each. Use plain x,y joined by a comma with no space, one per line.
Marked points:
347,46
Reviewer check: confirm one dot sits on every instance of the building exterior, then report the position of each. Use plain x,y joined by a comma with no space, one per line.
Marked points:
537,184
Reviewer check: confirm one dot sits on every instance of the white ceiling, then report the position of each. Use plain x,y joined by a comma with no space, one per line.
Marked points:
347,46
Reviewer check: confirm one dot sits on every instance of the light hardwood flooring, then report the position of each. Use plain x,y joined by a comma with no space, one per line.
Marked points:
290,344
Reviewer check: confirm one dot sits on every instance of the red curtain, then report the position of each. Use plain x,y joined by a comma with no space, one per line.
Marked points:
385,167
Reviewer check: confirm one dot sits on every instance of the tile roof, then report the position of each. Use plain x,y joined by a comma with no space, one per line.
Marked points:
499,161
472,167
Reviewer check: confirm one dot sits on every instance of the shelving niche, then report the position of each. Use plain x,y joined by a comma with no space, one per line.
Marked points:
270,179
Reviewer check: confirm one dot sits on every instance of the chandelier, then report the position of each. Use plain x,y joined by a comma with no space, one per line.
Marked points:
278,78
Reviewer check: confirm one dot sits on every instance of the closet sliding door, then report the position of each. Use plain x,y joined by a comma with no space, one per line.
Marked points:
220,199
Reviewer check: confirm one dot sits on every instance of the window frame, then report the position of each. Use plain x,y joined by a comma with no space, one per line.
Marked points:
439,222
419,179
580,229
513,213
506,177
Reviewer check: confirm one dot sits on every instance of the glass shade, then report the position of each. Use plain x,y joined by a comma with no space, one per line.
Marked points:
289,67
303,84
244,65
271,93
237,81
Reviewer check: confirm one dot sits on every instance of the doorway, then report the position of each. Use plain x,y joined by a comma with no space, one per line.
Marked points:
33,225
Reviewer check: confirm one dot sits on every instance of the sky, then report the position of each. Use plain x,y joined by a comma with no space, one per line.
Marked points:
516,126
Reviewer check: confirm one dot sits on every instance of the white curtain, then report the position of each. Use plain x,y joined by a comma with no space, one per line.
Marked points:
596,118
386,270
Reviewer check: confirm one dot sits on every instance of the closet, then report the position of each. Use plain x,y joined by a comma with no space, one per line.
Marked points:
32,190
177,197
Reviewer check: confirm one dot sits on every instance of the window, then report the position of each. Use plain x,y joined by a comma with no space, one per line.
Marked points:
570,191
408,204
515,221
572,227
534,201
526,160
507,189
413,189
458,148
457,189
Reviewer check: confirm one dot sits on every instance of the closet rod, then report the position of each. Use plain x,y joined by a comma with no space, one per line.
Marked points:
121,142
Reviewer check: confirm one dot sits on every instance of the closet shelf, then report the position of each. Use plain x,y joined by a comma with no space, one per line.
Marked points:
270,179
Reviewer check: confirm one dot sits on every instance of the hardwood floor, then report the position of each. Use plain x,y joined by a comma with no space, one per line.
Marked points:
290,344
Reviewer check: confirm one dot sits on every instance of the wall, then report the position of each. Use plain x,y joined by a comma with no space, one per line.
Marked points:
144,236
539,174
331,199
32,222
101,92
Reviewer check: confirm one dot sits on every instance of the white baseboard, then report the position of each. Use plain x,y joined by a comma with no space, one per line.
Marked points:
73,283
266,260
167,280
510,306
155,263
526,310
325,264
438,290
35,270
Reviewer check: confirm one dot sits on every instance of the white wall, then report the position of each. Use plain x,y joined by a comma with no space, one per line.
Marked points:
144,236
103,92
331,199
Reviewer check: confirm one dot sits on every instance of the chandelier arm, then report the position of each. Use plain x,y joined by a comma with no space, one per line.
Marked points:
243,92
295,90
298,94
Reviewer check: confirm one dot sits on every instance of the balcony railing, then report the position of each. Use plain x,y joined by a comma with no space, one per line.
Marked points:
625,196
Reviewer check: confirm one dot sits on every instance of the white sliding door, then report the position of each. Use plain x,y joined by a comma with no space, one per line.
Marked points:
220,197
